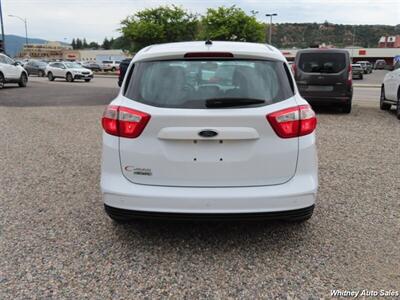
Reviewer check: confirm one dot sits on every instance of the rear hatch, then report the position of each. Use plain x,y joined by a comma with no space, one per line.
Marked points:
208,125
322,72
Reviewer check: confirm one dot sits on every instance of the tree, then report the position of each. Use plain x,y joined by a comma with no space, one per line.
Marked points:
78,43
85,44
106,44
159,25
94,45
73,44
231,24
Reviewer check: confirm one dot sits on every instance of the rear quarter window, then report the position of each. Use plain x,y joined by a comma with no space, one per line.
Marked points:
190,83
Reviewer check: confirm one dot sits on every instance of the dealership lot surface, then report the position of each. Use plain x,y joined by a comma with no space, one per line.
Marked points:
56,241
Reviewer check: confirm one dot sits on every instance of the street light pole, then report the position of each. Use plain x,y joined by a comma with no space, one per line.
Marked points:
2,29
26,26
270,26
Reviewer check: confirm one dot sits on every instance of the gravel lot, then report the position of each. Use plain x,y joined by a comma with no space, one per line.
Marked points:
56,241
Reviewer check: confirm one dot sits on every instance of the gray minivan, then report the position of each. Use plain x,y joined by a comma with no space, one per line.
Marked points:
324,76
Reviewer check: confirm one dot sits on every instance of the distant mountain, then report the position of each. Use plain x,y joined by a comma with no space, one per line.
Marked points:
301,35
15,43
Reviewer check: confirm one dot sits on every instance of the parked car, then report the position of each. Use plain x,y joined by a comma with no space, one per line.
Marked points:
123,67
69,70
358,71
36,67
390,91
92,66
188,147
380,64
110,65
366,65
324,76
11,72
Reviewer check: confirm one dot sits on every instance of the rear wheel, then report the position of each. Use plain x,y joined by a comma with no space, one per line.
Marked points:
41,73
87,80
300,219
361,76
23,80
113,69
382,104
346,107
1,81
50,76
398,107
69,77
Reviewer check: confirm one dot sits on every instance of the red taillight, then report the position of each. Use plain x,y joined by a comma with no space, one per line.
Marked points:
294,69
124,122
350,77
208,54
293,122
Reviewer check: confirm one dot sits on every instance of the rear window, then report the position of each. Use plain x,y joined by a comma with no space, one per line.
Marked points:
191,83
322,62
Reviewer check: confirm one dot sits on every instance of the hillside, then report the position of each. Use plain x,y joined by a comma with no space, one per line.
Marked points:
300,35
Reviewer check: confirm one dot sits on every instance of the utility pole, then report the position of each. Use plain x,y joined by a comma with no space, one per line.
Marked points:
270,25
3,43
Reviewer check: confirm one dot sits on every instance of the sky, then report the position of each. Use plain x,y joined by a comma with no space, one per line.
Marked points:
63,20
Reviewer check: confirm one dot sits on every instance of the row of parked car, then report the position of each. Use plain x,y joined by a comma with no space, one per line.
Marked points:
37,67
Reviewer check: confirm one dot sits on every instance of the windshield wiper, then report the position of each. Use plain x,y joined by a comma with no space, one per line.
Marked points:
231,102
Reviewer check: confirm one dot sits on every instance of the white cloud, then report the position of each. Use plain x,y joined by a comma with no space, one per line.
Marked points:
95,19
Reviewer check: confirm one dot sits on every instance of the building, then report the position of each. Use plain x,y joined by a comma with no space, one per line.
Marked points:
358,54
49,51
93,55
389,42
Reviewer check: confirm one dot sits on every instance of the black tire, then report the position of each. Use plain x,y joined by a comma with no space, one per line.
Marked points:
398,107
69,77
113,69
346,107
118,219
87,80
50,76
361,76
1,81
300,219
23,80
382,104
41,73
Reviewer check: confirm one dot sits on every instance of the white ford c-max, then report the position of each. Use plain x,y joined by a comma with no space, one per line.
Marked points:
209,130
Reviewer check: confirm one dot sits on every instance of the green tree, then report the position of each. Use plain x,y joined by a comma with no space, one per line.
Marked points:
106,44
78,43
159,25
94,45
73,44
231,24
85,44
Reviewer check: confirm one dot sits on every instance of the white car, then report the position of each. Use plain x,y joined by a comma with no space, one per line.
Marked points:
110,65
390,91
209,130
12,72
70,71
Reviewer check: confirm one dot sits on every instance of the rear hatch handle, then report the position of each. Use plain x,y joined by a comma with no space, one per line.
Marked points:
208,133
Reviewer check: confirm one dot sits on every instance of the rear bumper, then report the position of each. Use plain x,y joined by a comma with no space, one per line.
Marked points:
125,214
298,193
327,99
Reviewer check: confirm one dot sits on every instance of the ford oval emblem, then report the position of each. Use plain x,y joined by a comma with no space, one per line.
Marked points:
208,133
